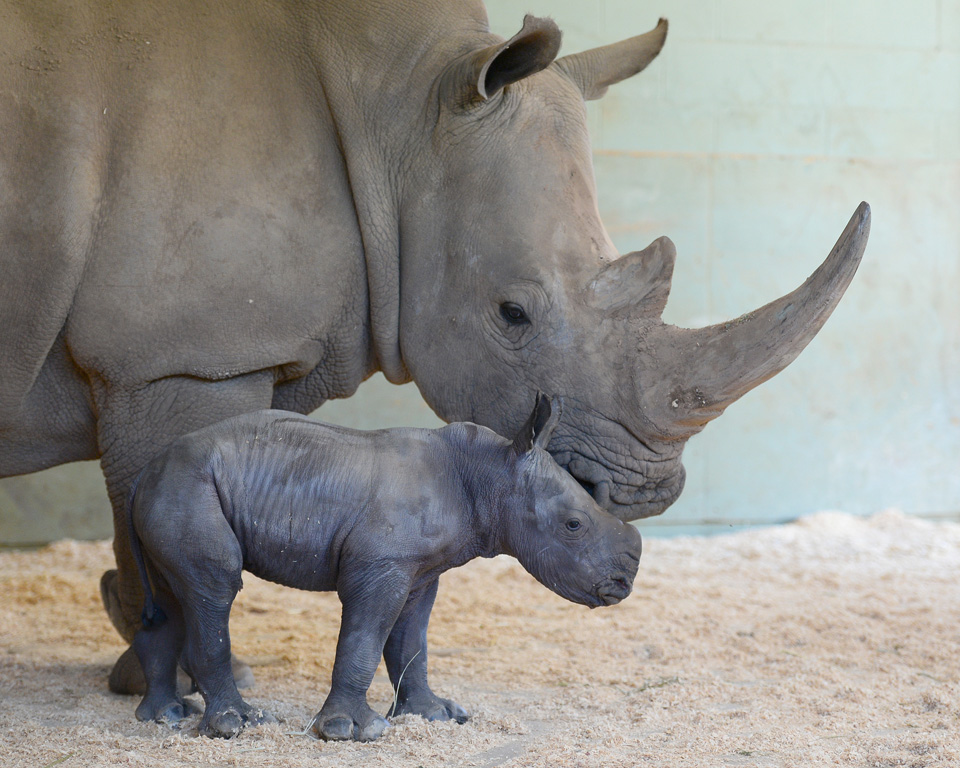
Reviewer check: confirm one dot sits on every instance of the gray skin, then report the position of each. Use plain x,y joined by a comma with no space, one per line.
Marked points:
376,516
207,210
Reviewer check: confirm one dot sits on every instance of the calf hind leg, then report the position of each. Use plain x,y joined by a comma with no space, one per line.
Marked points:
133,426
158,647
206,657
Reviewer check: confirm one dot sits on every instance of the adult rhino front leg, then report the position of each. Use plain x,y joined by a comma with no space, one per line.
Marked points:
134,425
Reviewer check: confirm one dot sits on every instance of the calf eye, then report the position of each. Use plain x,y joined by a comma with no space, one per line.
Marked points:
513,313
573,524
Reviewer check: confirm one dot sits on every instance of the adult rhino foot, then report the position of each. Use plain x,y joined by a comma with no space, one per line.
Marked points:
110,595
126,677
431,707
363,725
242,674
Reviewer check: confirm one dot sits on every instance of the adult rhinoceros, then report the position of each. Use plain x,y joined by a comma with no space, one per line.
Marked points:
208,208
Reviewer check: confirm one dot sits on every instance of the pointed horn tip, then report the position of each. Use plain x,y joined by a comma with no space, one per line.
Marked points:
663,26
859,224
853,241
665,243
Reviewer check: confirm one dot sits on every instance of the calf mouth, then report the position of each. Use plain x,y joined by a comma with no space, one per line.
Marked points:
613,589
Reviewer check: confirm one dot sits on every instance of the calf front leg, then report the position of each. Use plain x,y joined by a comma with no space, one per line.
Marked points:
371,605
405,654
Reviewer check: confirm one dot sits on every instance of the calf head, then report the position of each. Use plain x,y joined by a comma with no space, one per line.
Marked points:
557,531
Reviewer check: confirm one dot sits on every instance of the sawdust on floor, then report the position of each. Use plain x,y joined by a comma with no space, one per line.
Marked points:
832,641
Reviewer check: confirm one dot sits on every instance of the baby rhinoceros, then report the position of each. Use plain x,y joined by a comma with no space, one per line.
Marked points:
376,516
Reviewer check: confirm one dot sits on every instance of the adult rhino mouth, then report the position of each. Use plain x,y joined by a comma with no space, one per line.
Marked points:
627,501
626,476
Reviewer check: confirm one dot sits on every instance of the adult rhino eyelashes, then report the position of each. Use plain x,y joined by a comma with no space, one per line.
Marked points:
513,313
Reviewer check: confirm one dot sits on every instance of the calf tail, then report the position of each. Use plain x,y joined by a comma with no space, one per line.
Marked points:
153,614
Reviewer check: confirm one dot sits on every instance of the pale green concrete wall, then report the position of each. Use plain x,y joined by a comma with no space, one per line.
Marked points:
750,141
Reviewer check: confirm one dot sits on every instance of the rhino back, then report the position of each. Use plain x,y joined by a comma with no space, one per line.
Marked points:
300,494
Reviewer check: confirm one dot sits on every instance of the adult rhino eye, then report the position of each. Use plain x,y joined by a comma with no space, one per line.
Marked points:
573,524
513,313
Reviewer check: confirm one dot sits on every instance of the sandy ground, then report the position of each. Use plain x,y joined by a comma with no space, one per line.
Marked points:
833,641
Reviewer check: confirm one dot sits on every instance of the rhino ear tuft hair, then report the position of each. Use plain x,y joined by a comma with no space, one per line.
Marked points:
537,430
597,69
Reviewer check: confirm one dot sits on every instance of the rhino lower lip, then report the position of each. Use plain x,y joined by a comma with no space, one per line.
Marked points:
613,590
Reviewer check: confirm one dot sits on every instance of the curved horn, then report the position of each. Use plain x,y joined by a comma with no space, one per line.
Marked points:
597,69
709,368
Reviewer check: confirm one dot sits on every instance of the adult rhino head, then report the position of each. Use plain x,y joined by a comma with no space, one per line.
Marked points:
510,283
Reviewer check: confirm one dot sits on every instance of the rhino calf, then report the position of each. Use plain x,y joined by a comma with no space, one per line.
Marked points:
376,516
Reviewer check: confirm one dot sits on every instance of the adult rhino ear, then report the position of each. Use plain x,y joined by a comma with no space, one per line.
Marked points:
539,427
597,69
531,50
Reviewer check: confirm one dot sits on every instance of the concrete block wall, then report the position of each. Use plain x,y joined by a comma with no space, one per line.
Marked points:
750,141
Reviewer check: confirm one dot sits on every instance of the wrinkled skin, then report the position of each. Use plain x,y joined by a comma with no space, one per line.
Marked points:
206,211
376,516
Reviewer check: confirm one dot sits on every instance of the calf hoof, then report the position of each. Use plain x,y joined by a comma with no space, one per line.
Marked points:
168,713
254,716
432,708
338,727
222,725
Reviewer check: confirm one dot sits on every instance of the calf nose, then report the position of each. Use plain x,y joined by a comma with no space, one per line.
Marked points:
615,588
634,541
631,546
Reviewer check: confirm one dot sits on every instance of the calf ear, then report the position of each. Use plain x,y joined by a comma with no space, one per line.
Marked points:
539,427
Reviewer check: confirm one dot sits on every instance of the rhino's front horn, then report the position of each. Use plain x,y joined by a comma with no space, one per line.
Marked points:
709,368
